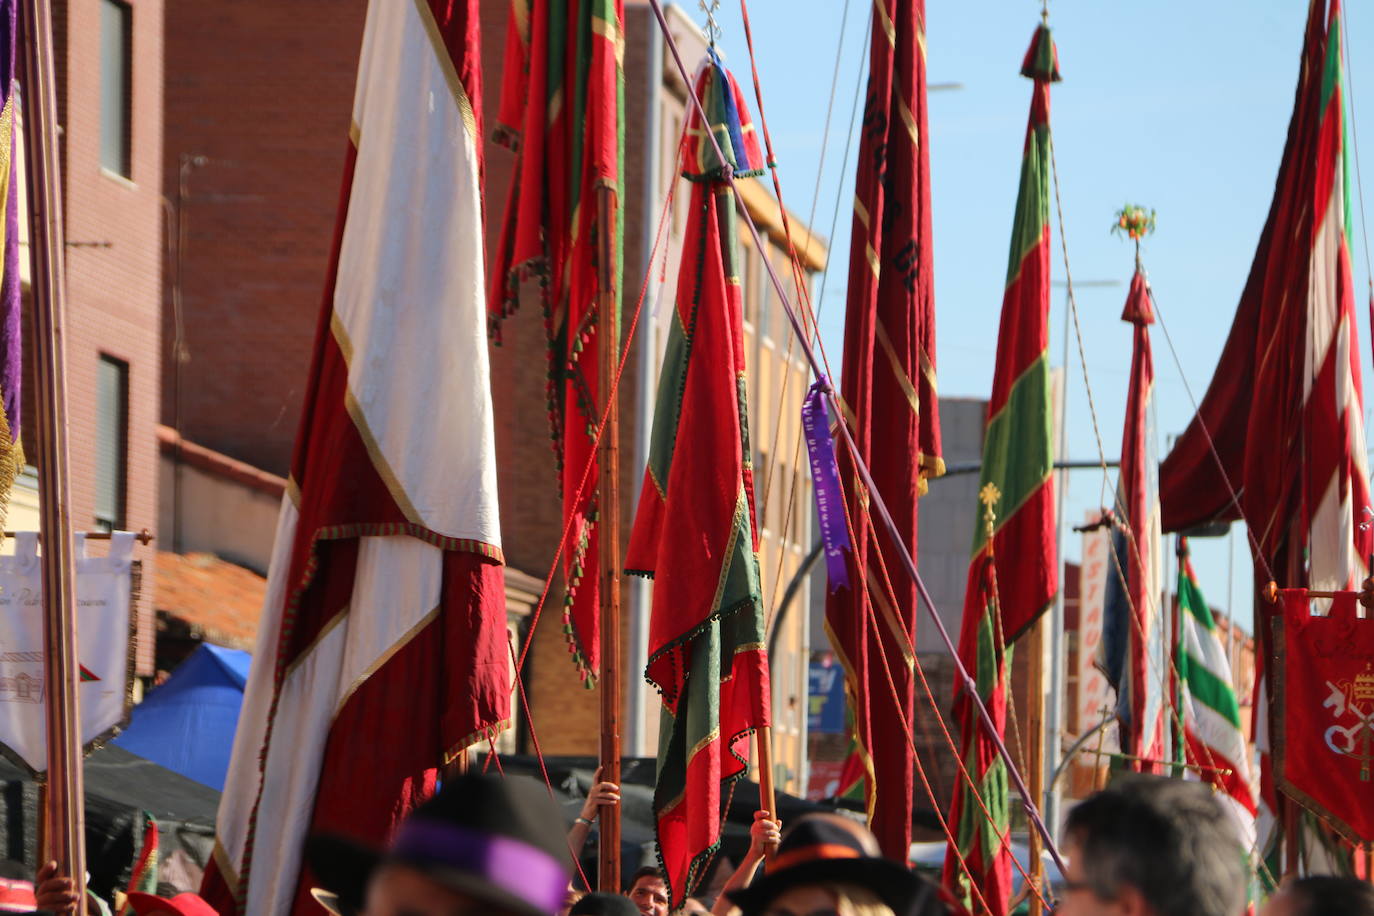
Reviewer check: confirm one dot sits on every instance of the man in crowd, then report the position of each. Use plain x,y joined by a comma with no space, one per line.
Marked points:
1322,896
602,904
1148,846
649,891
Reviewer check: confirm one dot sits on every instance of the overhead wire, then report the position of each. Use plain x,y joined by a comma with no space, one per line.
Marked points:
890,591
1027,802
1166,693
815,323
798,272
871,622
518,662
805,303
601,424
876,500
811,319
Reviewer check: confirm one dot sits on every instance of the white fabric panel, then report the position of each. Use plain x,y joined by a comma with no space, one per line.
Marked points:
395,588
299,734
411,284
1333,562
242,780
1323,285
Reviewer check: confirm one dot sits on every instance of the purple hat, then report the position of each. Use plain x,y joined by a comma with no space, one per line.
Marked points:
495,840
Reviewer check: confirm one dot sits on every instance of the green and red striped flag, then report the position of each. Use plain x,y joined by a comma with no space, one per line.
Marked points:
694,532
563,112
1016,552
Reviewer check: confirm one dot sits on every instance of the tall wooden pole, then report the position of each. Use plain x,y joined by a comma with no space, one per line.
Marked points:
608,518
63,815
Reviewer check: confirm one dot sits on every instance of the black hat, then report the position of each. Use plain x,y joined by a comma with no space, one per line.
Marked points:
822,849
603,904
495,840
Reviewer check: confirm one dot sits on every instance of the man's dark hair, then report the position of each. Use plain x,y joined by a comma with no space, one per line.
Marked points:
602,904
646,871
1327,896
1169,839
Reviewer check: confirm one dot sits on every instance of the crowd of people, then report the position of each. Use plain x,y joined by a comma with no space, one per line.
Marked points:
1146,846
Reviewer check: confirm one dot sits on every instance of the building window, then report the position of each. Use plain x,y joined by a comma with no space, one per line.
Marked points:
766,295
116,86
748,271
111,443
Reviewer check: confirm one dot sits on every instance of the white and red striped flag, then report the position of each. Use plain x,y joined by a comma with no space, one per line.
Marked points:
382,649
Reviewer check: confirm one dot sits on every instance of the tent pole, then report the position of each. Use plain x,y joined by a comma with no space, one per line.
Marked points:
608,518
63,814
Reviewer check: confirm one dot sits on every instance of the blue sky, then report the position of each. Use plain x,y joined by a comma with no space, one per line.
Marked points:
1182,107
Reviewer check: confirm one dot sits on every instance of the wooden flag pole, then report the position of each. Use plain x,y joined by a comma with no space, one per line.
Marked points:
608,518
63,815
767,797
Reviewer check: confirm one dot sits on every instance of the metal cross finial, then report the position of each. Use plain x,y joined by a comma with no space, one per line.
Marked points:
989,497
710,8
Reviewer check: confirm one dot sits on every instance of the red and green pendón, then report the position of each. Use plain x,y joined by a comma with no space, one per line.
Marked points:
1014,571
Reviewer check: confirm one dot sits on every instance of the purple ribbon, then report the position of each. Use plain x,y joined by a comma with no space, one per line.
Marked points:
525,871
825,475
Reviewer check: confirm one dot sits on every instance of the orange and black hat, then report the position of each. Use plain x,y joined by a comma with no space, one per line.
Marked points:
824,850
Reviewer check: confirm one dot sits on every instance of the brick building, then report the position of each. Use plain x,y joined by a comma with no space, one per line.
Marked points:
109,106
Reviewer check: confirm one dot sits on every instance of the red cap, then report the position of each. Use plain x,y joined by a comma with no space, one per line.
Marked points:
17,896
180,905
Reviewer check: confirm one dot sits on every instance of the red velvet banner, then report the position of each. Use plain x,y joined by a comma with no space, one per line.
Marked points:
1325,711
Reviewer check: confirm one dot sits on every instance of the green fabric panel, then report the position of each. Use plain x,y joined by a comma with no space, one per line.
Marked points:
578,91
1333,79
740,584
558,45
974,826
1032,201
1044,53
997,795
668,405
1018,454
1191,600
988,676
1203,683
1331,69
1210,690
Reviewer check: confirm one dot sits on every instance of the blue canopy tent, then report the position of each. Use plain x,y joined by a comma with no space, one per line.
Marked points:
187,723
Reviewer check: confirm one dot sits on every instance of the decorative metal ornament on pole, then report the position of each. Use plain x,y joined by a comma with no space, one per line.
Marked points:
63,816
608,518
